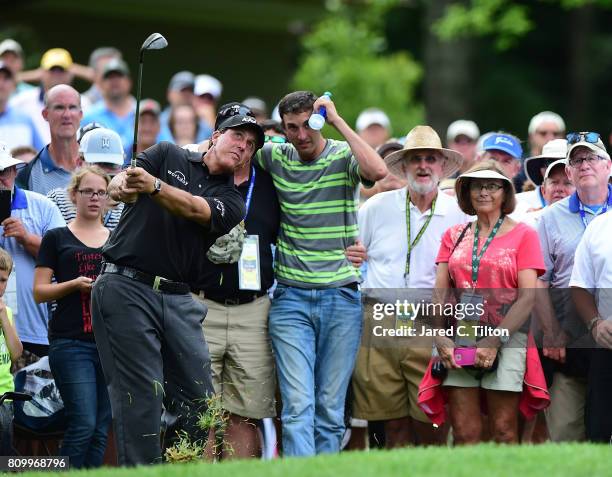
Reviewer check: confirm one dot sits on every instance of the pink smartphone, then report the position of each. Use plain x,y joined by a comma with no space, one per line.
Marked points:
465,356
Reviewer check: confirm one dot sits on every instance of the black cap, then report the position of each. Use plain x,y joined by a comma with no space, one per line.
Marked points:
234,115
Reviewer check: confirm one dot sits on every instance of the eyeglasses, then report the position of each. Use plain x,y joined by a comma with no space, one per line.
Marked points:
275,139
591,159
489,187
89,193
590,137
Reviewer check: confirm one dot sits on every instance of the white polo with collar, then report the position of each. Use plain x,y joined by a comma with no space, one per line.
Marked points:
382,229
593,263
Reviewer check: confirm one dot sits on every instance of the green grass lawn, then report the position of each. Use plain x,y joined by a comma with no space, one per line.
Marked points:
478,461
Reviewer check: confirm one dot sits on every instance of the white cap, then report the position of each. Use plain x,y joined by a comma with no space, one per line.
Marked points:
462,126
6,159
545,117
10,45
102,145
371,116
552,165
206,84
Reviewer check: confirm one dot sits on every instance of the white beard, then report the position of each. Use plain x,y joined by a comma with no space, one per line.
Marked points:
421,188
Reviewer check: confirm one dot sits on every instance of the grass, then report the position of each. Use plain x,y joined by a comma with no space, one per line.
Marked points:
486,460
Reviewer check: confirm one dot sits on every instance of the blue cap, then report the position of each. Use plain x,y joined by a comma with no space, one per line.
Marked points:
505,143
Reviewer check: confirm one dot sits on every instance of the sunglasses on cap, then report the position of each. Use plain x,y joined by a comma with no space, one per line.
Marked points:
590,137
275,139
230,110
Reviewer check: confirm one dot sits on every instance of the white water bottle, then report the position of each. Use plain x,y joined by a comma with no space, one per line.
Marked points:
316,120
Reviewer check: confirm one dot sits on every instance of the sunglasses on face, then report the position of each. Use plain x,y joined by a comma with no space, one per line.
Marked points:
590,137
429,159
275,139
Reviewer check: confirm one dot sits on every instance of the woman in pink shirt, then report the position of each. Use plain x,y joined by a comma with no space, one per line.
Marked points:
492,263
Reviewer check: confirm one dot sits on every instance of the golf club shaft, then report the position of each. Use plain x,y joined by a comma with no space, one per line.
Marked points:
138,91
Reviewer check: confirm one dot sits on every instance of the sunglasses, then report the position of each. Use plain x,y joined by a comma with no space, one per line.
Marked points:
275,139
590,137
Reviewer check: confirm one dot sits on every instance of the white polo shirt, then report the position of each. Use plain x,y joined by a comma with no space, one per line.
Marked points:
593,263
382,229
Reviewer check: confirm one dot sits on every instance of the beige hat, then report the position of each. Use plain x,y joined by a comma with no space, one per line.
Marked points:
418,139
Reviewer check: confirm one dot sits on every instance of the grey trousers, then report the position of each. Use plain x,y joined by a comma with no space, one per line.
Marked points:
153,352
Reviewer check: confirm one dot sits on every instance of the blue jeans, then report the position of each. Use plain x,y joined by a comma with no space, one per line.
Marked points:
78,375
315,335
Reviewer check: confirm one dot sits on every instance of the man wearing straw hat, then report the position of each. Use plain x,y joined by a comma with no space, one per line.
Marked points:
401,230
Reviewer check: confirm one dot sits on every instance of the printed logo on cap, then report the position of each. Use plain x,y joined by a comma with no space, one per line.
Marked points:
105,142
504,140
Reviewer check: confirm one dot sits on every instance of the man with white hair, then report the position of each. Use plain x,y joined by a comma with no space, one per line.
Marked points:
401,230
544,127
373,126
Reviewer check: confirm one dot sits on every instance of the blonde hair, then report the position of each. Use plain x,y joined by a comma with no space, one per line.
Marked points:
6,261
77,177
462,189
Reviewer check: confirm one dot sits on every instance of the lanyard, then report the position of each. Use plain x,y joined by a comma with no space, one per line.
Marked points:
603,210
541,197
475,257
419,234
247,202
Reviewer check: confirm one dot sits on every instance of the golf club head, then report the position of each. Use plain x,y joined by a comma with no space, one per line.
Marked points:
155,41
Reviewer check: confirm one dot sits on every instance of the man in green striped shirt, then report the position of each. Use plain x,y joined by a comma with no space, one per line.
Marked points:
315,318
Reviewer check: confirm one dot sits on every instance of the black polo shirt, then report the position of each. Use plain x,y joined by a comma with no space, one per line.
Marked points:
220,282
151,239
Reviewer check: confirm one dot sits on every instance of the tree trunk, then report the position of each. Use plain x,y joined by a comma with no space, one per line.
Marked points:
447,80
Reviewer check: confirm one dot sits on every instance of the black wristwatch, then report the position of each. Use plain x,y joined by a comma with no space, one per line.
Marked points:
156,186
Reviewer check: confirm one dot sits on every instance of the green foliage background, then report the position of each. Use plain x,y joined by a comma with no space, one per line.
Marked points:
347,55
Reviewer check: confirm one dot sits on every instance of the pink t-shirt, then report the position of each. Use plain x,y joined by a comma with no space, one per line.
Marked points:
506,255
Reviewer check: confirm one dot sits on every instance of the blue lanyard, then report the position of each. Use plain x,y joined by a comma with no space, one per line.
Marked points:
539,192
603,210
247,202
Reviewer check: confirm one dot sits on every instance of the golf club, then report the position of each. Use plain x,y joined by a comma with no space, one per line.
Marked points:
155,41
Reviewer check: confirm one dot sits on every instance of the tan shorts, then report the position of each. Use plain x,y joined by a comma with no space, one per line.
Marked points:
509,374
387,375
242,363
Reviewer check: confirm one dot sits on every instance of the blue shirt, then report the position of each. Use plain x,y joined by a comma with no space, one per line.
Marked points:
124,126
17,129
46,176
38,215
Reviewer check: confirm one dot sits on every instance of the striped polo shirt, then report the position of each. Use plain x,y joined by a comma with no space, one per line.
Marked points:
318,201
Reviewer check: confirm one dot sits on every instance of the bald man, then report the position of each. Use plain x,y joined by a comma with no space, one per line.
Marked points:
53,165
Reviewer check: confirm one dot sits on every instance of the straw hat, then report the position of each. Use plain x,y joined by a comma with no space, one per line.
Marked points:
418,139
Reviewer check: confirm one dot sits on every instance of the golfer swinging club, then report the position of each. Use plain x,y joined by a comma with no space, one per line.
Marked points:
147,325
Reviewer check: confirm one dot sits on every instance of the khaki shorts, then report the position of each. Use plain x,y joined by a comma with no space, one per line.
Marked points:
509,374
387,375
242,363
